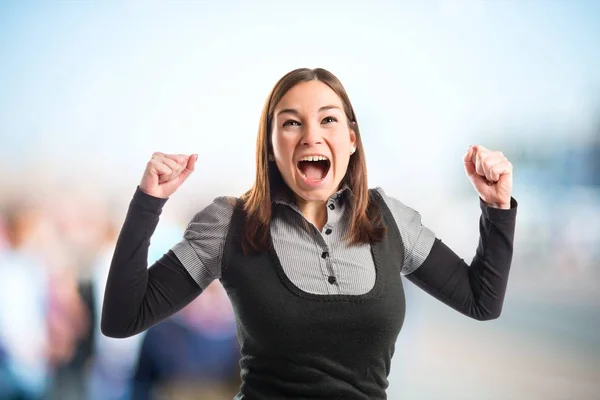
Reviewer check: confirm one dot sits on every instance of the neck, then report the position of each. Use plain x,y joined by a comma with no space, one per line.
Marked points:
314,211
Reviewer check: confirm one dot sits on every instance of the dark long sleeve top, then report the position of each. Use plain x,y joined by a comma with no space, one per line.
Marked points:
138,297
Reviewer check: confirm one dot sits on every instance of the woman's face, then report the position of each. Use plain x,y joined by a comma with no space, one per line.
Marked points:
312,140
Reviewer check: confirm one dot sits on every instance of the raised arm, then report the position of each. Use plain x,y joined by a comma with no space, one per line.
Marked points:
476,289
137,297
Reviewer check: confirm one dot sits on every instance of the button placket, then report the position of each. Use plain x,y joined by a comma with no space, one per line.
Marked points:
334,214
333,287
328,271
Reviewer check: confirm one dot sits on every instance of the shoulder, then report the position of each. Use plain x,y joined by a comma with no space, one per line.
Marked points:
201,249
402,213
408,219
417,238
394,204
216,215
219,208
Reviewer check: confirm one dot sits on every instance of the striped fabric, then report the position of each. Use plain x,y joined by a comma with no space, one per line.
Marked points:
318,262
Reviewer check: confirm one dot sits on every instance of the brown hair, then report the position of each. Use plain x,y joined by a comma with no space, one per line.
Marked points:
366,225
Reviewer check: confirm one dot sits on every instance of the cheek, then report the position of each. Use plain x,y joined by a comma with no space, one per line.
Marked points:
342,162
282,145
342,151
342,144
276,144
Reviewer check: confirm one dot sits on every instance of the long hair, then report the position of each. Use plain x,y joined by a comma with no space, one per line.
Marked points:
366,225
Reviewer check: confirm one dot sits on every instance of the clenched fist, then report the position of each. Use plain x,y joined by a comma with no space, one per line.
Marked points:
491,175
164,173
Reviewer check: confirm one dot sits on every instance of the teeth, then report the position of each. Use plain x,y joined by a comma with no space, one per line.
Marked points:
314,158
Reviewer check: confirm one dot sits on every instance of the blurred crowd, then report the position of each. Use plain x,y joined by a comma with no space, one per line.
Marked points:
56,248
54,259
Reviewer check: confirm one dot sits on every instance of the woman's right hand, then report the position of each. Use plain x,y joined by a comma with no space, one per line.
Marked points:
166,172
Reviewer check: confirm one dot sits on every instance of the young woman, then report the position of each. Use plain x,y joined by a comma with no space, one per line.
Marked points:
311,258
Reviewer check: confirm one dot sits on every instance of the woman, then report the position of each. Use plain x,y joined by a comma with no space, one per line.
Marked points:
310,257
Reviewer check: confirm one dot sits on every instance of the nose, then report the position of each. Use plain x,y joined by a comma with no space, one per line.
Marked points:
311,136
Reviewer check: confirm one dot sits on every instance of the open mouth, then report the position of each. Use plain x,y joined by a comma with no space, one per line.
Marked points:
314,168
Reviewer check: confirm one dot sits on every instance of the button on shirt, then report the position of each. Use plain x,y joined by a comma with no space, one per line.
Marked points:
318,262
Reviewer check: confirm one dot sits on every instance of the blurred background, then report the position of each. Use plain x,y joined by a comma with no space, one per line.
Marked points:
88,90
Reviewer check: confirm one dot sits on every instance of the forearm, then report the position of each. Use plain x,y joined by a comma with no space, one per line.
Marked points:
476,290
137,297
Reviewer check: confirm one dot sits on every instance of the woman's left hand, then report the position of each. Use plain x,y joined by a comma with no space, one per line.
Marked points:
491,175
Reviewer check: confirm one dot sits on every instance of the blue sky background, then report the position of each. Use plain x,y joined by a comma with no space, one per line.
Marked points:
96,82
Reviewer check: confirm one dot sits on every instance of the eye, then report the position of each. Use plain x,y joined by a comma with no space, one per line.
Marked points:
329,119
291,122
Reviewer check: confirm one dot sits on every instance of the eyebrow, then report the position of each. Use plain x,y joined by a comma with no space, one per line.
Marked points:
295,112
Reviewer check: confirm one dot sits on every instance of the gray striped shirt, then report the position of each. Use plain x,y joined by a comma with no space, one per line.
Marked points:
343,269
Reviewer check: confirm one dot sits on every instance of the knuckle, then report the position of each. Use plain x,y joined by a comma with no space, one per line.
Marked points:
486,163
479,149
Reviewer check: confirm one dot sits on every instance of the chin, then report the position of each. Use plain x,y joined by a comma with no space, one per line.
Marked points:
320,193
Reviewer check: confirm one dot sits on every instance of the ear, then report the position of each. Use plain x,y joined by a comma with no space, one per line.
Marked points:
353,137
